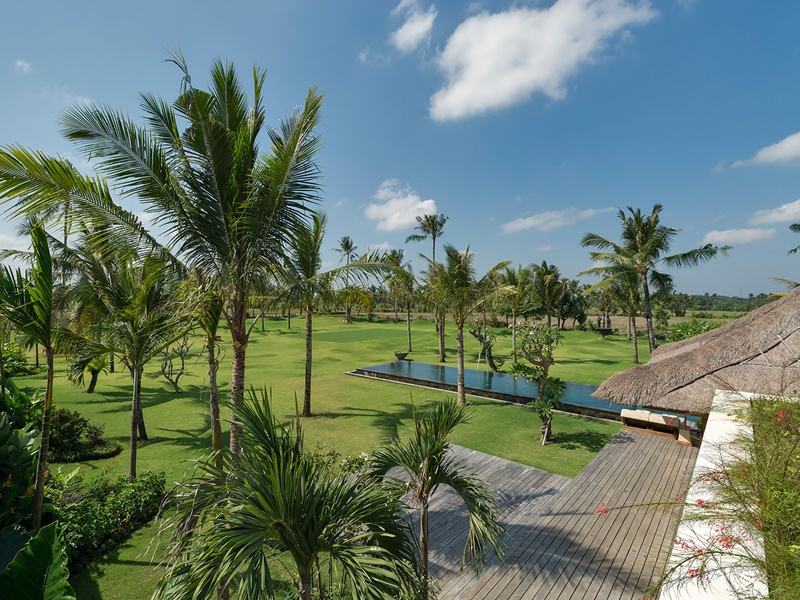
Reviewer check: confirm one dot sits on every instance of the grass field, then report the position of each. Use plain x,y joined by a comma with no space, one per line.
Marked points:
352,415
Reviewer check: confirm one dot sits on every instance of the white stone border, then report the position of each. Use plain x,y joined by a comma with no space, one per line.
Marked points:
726,578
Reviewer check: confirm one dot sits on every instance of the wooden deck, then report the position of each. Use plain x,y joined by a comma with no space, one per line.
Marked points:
559,547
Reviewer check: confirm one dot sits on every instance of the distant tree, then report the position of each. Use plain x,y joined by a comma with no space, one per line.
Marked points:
644,243
402,288
346,249
429,226
548,288
519,283
460,292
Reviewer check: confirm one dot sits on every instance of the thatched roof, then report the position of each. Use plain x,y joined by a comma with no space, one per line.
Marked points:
759,352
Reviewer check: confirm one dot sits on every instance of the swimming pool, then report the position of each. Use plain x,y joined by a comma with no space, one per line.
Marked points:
498,386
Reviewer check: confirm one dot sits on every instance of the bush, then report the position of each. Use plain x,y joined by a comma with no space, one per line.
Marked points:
73,438
18,448
689,328
103,513
15,361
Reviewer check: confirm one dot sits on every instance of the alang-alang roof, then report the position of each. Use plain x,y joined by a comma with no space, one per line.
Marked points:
759,352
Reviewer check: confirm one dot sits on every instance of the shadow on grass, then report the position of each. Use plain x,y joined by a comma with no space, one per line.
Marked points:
593,441
387,422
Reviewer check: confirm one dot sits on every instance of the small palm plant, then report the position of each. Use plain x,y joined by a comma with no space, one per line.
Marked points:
428,465
233,522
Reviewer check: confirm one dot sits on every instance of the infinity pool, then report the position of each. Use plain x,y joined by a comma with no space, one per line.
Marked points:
491,385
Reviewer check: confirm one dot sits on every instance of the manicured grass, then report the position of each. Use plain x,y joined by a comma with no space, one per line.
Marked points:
352,414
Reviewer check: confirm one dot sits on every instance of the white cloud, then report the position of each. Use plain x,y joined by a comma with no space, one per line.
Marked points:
23,67
738,236
493,61
785,213
552,219
417,27
785,152
398,206
368,57
61,94
382,247
11,242
546,248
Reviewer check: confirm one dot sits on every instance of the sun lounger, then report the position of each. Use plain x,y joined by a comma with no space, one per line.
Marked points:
652,421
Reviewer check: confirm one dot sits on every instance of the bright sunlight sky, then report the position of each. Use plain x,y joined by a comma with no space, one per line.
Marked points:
527,122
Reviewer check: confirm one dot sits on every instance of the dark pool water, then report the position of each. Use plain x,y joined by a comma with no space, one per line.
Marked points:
578,394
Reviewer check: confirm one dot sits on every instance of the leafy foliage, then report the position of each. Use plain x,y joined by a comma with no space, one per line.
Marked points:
18,450
15,361
73,438
39,570
689,328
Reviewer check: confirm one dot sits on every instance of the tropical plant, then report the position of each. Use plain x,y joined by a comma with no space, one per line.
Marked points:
456,288
27,303
642,249
553,391
428,464
519,283
145,315
305,285
429,227
402,288
226,208
19,447
346,249
230,523
622,288
548,287
537,345
689,328
34,568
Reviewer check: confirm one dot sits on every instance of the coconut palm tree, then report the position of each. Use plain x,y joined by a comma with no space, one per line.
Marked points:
428,465
26,302
642,248
226,207
455,286
429,226
519,283
625,290
233,522
145,315
403,288
548,287
346,249
304,284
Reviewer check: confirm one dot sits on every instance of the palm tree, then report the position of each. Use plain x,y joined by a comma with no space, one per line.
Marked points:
456,287
427,463
27,304
304,284
642,249
795,227
519,284
231,522
429,226
625,290
145,316
548,287
402,287
227,208
347,249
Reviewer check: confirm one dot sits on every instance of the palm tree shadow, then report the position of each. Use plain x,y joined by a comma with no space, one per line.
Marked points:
387,422
593,441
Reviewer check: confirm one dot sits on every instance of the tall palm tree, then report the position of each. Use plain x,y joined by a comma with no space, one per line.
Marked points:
519,283
457,288
145,316
643,249
402,287
432,226
27,304
226,207
428,465
304,284
231,524
625,290
346,249
429,226
547,287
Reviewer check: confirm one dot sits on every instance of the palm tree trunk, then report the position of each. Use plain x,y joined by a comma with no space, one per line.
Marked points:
213,396
92,381
41,459
238,326
462,397
307,390
36,354
305,584
139,413
648,314
514,335
134,422
635,341
111,365
630,316
408,325
441,338
423,543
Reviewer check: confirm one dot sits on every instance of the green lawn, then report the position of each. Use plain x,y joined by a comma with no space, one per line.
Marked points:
353,414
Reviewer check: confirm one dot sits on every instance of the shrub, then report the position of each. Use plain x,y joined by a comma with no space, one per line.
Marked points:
103,513
18,449
15,361
689,328
73,438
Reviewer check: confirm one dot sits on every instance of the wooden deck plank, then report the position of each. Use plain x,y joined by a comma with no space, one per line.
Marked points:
558,547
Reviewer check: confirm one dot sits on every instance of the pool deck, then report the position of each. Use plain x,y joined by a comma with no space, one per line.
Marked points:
559,547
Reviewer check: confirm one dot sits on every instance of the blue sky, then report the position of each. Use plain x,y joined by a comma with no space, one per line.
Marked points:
527,123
